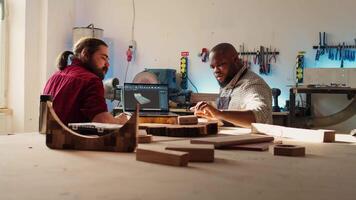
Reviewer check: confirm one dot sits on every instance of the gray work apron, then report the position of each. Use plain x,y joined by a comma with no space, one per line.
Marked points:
224,98
223,104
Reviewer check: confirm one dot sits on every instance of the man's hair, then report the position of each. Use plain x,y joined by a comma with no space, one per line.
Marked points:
224,48
91,45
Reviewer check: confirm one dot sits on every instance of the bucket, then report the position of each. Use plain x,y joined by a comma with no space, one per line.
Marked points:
89,31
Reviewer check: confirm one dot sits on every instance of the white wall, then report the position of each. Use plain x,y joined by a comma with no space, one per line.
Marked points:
17,21
164,28
39,30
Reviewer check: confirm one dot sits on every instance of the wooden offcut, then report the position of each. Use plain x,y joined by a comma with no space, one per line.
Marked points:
165,157
289,150
226,141
59,136
197,153
305,135
187,120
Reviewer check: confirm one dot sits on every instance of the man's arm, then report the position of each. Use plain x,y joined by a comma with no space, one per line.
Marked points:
106,117
238,118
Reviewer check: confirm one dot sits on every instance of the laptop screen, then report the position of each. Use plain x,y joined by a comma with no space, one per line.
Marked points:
151,97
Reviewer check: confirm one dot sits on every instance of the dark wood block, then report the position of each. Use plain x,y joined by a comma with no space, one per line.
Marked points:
289,150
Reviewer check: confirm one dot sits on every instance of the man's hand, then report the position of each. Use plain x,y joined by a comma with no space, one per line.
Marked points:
203,109
106,117
122,118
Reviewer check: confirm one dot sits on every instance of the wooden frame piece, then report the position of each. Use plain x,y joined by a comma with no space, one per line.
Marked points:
59,136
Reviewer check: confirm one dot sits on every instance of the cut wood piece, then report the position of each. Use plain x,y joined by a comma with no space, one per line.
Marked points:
176,130
197,153
289,150
306,135
143,139
188,120
225,141
166,157
264,146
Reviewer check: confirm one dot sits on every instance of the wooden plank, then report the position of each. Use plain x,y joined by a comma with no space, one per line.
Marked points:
224,141
306,135
264,146
197,153
165,157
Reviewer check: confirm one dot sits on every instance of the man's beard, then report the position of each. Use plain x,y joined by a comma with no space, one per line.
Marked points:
230,75
96,70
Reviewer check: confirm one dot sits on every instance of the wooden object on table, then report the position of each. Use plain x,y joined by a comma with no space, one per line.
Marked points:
188,120
144,139
264,146
289,150
158,119
197,153
59,136
225,141
166,157
306,135
200,129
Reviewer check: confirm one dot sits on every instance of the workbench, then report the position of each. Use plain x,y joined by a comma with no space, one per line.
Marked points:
30,170
349,93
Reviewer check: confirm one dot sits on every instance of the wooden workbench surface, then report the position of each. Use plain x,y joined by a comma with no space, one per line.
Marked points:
29,170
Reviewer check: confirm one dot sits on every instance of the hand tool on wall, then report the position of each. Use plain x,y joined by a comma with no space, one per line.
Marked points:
273,56
267,64
261,59
342,55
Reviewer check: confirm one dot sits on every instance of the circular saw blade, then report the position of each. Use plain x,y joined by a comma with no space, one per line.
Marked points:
146,77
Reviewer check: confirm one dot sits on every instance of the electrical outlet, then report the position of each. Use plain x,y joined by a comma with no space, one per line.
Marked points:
132,45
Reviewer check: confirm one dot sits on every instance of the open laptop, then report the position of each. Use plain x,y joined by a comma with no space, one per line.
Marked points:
153,99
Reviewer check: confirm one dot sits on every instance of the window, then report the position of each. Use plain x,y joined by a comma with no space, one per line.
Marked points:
2,55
